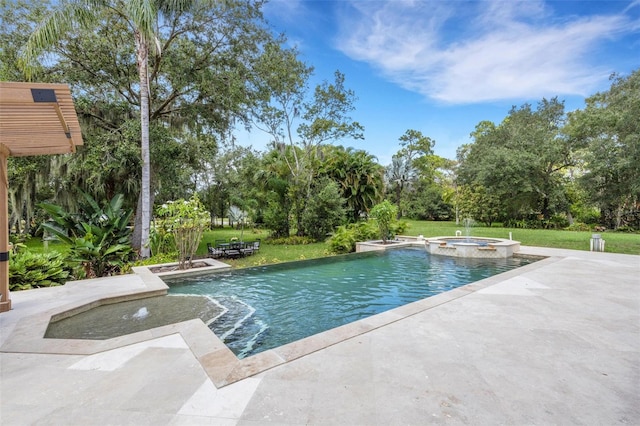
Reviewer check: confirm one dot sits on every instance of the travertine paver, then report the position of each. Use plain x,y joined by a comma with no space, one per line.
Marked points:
557,344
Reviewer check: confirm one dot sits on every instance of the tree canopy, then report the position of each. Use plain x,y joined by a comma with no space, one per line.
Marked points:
522,160
214,67
609,128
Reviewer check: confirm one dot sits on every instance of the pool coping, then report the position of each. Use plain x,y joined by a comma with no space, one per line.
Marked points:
219,362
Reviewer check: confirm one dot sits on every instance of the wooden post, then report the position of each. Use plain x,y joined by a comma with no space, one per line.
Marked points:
5,298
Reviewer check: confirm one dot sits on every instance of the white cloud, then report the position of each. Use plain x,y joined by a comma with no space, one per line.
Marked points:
468,52
286,10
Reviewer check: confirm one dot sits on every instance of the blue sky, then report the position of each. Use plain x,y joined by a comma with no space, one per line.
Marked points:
441,67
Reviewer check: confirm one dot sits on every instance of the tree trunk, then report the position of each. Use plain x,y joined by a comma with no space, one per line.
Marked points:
136,236
546,212
142,50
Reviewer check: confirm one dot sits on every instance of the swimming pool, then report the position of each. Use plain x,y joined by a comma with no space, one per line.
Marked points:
269,306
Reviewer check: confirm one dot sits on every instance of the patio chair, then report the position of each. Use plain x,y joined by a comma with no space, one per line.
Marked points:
234,249
247,248
214,252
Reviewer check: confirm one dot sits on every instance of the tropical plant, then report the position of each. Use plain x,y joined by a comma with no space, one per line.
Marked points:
344,239
384,214
100,237
33,270
141,17
186,220
359,177
161,239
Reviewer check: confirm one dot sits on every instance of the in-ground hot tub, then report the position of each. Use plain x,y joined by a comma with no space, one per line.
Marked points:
478,247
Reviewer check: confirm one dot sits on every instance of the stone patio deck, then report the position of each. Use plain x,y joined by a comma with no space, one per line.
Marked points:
556,342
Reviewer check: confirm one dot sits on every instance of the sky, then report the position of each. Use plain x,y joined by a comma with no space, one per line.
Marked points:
441,67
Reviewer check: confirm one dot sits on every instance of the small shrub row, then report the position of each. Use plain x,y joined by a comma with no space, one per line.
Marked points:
578,226
293,240
627,229
556,222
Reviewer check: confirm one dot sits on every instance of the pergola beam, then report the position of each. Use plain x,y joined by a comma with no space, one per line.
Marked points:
35,119
5,298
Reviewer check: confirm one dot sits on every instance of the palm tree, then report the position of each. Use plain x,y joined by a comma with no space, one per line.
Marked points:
141,16
359,176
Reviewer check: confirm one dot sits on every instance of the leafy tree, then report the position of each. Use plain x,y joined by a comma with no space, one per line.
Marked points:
273,178
297,125
325,209
197,57
522,161
18,19
384,214
25,176
409,163
610,127
141,17
477,203
427,202
228,180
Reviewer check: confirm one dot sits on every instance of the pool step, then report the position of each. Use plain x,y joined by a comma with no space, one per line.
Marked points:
238,327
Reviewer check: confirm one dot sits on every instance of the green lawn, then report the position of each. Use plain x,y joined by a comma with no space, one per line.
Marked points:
615,242
270,253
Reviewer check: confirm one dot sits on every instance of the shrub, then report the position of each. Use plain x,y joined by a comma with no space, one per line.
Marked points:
291,241
186,220
625,228
33,270
590,216
399,227
578,226
325,210
345,238
384,214
169,257
276,218
558,221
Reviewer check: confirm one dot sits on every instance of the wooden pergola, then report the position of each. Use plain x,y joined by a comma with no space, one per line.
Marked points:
35,119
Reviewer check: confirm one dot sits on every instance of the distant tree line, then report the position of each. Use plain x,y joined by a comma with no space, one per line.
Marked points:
543,167
220,68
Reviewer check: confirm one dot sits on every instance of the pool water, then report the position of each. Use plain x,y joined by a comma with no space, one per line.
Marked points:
273,305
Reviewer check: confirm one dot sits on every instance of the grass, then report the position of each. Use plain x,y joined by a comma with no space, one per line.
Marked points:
36,245
270,253
615,242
